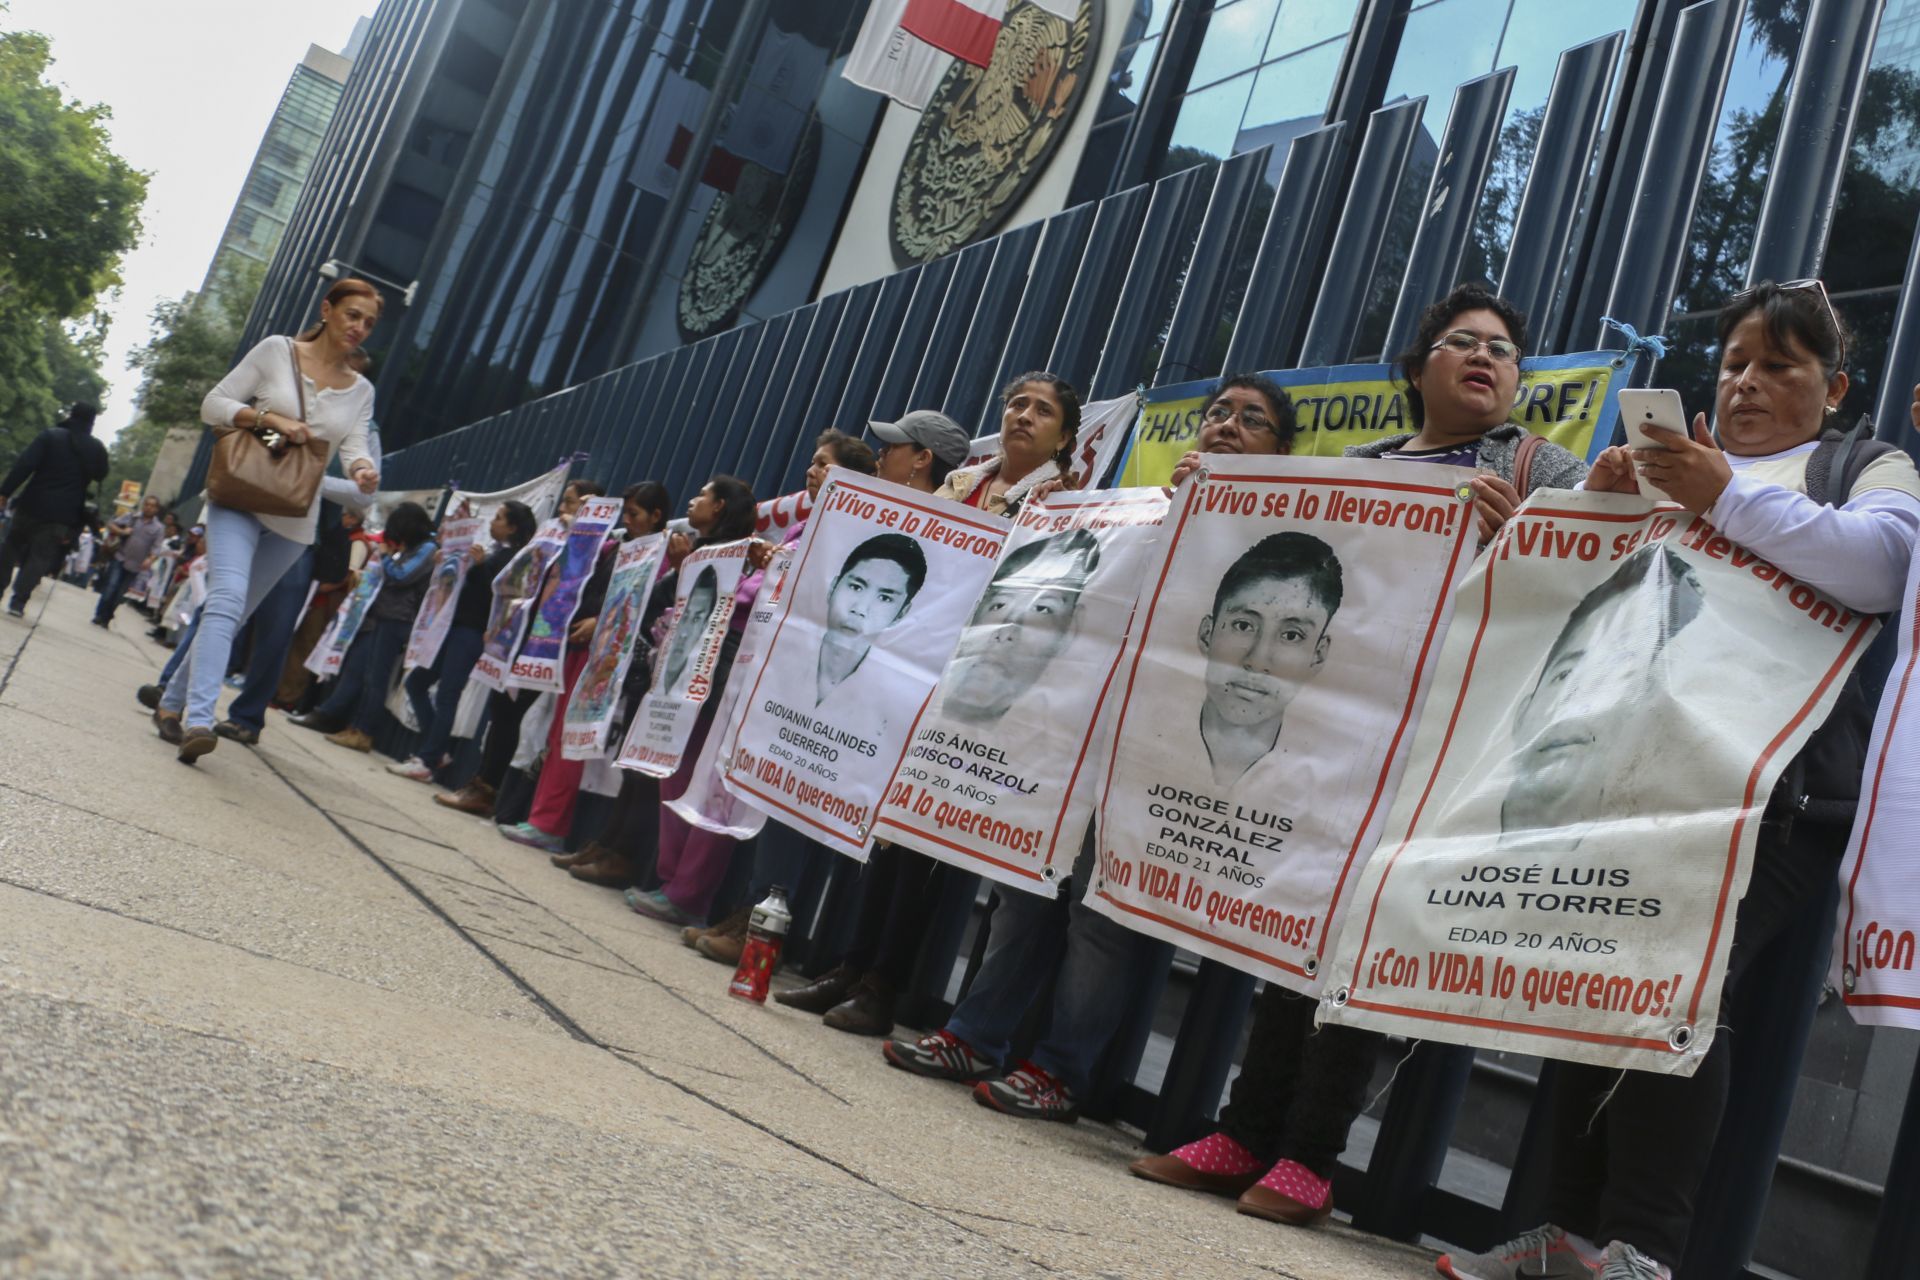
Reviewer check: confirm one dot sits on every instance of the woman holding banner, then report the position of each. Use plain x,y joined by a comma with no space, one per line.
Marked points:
1630,1150
638,833
506,708
512,528
1039,424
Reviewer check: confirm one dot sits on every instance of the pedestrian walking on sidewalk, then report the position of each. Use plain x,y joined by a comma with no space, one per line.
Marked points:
56,470
139,539
248,553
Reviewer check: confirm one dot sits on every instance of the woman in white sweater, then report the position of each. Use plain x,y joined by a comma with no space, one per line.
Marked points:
247,553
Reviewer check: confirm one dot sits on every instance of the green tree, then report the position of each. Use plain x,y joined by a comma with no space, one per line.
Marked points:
191,349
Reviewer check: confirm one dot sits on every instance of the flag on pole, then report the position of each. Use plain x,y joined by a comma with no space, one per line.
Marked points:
964,28
887,60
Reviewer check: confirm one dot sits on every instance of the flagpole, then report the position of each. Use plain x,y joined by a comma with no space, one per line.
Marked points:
732,69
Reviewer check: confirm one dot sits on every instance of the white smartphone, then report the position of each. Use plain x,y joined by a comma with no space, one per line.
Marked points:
1658,407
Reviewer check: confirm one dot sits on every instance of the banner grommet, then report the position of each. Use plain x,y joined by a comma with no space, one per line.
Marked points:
1340,997
1680,1038
1313,965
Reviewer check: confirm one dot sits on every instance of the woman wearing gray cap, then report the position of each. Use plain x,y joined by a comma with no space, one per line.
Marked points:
921,449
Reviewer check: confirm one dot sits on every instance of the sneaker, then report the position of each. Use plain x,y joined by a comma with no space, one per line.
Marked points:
1547,1252
942,1055
1029,1091
1624,1262
655,905
413,768
196,741
528,834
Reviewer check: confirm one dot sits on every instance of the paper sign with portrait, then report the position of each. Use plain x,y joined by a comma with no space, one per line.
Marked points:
883,579
998,777
689,660
1618,694
596,694
331,650
514,590
1285,635
450,565
541,662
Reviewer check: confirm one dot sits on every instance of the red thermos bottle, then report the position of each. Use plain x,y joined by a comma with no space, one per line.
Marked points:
766,934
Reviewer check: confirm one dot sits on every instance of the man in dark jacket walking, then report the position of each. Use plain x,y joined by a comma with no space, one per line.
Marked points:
57,469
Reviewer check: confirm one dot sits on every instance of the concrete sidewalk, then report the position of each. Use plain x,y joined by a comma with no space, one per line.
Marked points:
278,1014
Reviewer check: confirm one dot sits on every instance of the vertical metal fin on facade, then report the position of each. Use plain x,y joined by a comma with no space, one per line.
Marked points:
852,406
1556,180
1136,316
1196,316
971,385
1096,284
733,410
1453,197
1816,126
1054,260
689,420
831,341
1363,225
1892,419
1679,148
1283,269
939,358
906,350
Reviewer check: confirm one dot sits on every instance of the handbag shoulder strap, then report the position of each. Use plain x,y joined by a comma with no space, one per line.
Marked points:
299,379
1523,463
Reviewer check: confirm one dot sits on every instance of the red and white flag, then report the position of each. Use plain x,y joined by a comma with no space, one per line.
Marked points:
905,46
964,28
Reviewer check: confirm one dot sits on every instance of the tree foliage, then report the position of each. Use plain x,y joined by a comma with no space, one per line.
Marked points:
192,348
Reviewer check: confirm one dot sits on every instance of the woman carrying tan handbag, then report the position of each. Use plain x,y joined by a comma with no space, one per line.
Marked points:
294,397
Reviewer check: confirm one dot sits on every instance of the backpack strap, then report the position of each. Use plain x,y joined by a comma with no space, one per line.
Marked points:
1523,463
1836,463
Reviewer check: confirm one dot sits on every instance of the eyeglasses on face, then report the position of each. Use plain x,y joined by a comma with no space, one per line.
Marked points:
1464,344
1219,415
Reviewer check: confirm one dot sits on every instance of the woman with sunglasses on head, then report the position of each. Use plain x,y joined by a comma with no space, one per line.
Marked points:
311,376
1629,1150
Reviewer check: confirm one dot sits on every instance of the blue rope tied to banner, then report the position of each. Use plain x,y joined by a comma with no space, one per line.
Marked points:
1653,344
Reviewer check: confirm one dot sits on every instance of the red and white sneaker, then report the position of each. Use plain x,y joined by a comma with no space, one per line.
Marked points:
1624,1262
942,1055
1030,1091
1544,1253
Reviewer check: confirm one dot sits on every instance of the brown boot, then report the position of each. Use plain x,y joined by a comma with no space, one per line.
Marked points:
475,798
726,940
823,993
167,725
351,739
592,853
612,870
867,1010
735,923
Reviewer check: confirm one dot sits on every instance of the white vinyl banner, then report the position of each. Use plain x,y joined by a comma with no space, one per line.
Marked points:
514,590
331,651
709,802
541,662
1285,635
450,565
883,579
999,775
1873,960
1619,691
596,695
689,659
542,493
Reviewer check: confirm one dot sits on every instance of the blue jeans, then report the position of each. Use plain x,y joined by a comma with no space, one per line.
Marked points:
447,677
118,579
361,690
273,626
244,561
1101,968
181,648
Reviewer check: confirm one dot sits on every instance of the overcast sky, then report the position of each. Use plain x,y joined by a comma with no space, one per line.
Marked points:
192,84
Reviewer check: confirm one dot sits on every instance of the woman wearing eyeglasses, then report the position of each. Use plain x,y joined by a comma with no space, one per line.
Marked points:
1462,372
1630,1149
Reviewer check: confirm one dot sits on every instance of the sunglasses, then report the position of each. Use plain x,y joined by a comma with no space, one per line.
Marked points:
1811,286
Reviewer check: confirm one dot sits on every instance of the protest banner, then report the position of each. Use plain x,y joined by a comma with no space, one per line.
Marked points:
775,516
1280,650
514,589
999,775
883,579
331,650
596,695
1561,867
542,494
541,662
689,658
1572,400
709,802
450,564
1873,951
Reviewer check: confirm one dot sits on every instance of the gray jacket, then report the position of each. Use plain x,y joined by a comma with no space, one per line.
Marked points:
1553,467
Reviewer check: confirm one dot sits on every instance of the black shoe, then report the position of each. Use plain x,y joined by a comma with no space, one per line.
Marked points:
314,720
823,993
245,735
867,1010
148,695
101,623
16,611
